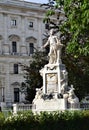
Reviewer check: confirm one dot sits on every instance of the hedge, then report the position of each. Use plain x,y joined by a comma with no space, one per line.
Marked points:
67,120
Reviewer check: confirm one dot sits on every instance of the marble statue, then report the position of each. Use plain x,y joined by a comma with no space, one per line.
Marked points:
72,99
55,93
55,47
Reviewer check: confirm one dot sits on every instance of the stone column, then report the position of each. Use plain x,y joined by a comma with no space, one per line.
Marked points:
39,34
5,44
7,84
23,45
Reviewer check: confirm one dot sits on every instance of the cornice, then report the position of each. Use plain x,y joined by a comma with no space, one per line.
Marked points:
22,4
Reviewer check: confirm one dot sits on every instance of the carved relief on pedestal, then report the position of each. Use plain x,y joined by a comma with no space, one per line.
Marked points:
51,82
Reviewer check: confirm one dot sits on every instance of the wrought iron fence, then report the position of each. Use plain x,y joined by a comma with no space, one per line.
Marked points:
25,107
84,106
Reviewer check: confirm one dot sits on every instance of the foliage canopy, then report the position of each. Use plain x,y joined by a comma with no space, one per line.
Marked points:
75,25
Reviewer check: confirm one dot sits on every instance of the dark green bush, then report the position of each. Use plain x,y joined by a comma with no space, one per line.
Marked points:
2,120
68,120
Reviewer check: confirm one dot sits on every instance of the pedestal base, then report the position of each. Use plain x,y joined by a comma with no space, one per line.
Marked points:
50,105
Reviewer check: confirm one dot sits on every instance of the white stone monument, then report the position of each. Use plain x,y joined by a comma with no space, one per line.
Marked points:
55,94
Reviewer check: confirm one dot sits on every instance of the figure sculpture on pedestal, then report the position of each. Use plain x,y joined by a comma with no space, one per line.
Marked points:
55,48
54,94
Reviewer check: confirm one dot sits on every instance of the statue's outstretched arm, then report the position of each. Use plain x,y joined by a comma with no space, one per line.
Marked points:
47,43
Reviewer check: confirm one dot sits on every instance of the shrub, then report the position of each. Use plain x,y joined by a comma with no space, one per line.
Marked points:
68,120
2,119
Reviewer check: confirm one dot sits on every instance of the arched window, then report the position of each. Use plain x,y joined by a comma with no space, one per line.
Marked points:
31,48
16,94
15,68
14,46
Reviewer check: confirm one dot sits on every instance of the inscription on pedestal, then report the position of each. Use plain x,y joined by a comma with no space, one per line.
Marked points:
51,82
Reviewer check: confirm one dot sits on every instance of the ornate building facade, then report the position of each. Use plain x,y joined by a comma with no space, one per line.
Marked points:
21,30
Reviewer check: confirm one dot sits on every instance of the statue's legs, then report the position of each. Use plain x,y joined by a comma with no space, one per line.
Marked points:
52,55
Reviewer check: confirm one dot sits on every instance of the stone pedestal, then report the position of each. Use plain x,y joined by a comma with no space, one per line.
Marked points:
55,94
54,78
50,97
50,105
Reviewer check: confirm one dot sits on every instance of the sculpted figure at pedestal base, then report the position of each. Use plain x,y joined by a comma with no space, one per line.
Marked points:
55,47
72,98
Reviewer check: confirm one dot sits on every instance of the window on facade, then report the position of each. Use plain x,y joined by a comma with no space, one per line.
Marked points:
46,26
16,94
14,47
31,48
13,22
15,68
31,24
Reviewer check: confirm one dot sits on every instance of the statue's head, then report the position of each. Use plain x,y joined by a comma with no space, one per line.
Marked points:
52,31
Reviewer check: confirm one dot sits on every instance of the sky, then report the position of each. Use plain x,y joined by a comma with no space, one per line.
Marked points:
38,1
